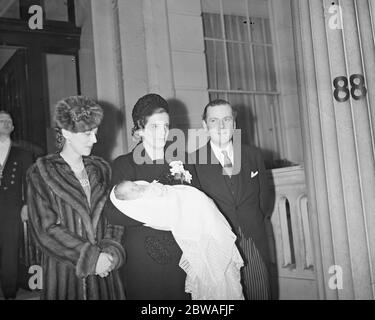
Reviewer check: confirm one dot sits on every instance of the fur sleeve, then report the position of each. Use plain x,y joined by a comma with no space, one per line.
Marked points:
54,239
111,243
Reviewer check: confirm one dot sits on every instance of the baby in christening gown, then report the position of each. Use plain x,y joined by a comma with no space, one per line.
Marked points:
210,257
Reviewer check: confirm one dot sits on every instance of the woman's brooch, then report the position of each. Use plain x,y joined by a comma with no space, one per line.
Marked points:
83,113
179,173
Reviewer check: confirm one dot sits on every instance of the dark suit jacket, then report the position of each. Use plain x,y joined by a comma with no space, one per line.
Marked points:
249,205
13,184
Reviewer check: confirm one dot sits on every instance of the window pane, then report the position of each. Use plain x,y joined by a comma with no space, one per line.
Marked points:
246,118
240,67
236,28
261,78
264,68
216,66
235,20
234,7
267,30
257,34
56,10
212,25
258,11
271,70
257,116
218,95
10,9
266,108
212,19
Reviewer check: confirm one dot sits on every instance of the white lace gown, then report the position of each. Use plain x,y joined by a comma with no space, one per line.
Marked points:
210,257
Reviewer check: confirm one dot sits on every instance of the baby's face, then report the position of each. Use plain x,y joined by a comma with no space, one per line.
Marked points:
128,190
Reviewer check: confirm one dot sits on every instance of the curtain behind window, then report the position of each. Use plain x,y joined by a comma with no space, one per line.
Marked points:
240,66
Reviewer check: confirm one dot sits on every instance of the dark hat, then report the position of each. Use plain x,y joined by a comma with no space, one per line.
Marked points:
145,107
78,114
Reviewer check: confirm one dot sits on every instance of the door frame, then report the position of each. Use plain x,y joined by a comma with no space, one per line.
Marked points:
58,38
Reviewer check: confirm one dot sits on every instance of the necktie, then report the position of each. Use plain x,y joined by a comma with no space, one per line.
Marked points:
228,166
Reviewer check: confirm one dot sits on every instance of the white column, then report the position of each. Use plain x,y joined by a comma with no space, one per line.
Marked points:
109,72
159,59
132,42
339,143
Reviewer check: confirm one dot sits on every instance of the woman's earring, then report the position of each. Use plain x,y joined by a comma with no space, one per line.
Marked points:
137,136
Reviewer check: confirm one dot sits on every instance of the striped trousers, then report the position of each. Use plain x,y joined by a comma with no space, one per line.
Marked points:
255,278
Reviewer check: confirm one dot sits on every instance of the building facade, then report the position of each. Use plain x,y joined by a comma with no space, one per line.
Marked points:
298,71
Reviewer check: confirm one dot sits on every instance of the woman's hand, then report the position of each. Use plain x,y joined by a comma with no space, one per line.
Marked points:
104,265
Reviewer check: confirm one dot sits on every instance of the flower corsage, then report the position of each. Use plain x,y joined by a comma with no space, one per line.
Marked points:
176,174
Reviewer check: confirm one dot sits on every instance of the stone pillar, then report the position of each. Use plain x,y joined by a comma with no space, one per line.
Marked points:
131,38
109,72
121,64
339,142
159,59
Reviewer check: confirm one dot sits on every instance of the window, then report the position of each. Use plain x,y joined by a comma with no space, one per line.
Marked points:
241,68
9,9
56,10
53,10
48,70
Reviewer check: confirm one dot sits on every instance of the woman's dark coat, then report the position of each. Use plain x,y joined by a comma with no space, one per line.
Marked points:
71,232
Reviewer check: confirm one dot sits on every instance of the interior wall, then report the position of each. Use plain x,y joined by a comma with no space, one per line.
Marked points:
86,53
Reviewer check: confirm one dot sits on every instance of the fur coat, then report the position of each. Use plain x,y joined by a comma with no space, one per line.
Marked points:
71,232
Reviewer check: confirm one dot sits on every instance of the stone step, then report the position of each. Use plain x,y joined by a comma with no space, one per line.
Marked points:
24,295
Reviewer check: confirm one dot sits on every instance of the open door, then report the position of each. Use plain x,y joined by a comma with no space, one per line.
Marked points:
14,94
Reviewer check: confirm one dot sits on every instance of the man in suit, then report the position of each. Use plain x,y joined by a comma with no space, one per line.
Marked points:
14,163
234,176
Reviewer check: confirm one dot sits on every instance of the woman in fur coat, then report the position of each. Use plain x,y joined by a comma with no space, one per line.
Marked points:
66,195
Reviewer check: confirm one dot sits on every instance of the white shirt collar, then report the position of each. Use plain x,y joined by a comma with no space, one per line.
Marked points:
5,143
219,152
4,149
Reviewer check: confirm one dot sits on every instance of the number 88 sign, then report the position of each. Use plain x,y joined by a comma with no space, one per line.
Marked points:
342,93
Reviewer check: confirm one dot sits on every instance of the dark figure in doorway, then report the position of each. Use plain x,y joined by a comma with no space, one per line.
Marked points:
14,163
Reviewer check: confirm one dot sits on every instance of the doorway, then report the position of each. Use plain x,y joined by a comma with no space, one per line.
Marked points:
13,89
35,65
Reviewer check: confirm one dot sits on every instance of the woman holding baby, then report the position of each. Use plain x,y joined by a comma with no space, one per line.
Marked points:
151,270
66,195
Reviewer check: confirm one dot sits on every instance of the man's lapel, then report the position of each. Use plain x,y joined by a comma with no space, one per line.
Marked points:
242,166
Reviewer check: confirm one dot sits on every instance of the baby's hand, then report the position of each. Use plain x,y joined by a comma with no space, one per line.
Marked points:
155,189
